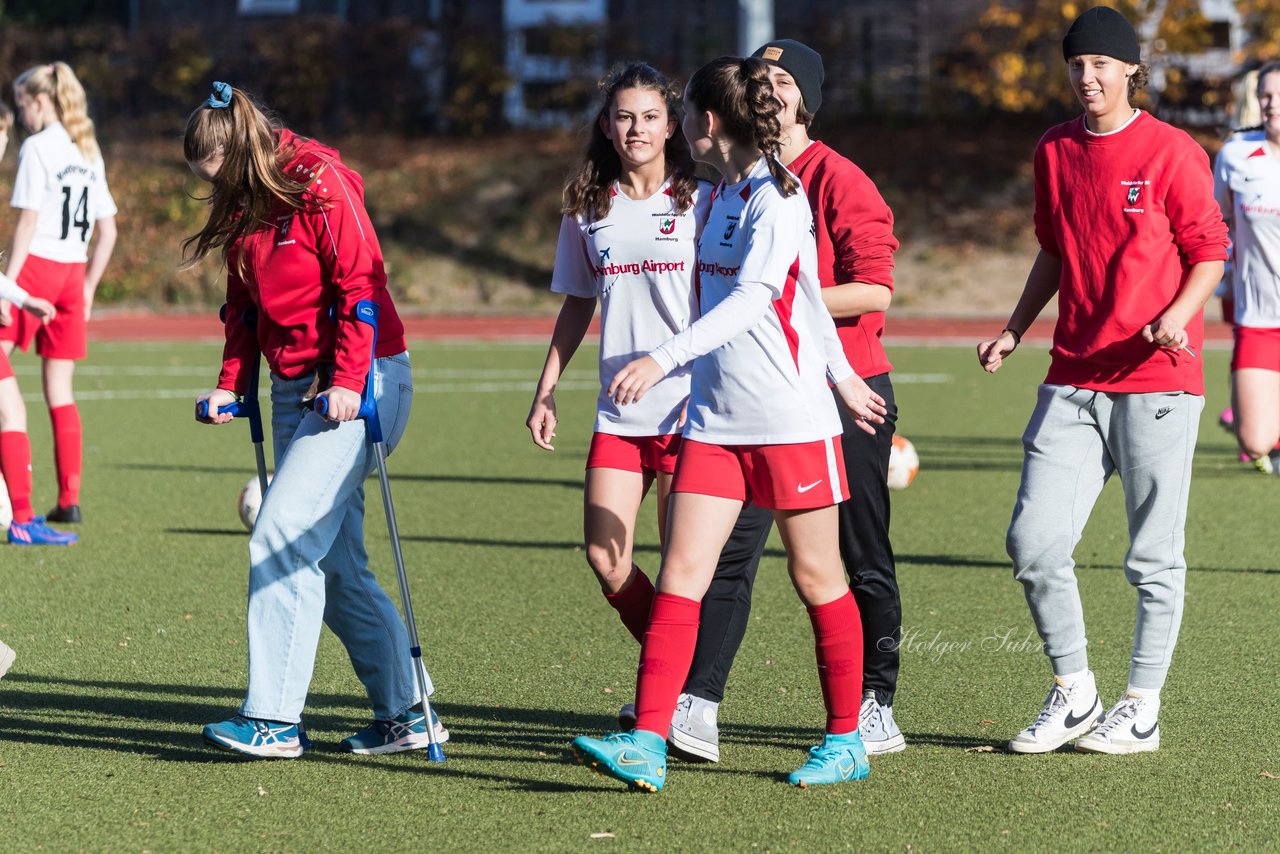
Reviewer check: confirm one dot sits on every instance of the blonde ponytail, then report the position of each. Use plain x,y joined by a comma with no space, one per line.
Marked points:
60,83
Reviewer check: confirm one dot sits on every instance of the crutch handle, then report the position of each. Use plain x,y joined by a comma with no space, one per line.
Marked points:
234,408
366,312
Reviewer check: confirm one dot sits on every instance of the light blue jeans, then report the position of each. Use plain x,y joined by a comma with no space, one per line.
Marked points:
307,561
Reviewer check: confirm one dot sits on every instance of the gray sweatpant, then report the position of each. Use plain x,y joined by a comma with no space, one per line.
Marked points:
1075,441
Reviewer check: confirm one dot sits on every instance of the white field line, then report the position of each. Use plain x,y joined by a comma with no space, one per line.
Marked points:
478,385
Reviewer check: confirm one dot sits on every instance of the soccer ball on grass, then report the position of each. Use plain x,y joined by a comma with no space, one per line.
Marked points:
903,463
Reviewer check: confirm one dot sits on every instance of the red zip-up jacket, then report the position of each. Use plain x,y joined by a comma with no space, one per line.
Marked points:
1128,213
301,265
853,228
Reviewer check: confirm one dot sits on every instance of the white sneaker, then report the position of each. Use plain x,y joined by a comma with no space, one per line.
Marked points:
7,655
1069,712
1130,727
693,728
880,734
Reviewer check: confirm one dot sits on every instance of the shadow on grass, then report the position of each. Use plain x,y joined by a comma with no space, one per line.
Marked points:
163,721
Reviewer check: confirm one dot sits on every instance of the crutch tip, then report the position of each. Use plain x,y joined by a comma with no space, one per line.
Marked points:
435,753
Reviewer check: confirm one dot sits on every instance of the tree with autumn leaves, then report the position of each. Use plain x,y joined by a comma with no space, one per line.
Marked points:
1011,60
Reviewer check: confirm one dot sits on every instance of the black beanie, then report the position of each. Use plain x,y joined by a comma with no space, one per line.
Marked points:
1105,32
802,62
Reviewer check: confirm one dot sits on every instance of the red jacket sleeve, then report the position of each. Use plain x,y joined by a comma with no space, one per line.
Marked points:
241,347
861,228
352,259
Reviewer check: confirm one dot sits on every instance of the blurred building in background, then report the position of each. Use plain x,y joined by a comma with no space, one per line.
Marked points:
468,66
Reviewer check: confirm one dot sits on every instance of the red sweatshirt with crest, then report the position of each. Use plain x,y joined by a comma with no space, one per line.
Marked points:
1128,214
304,271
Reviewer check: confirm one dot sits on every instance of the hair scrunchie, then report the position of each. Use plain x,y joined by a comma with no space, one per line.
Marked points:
221,97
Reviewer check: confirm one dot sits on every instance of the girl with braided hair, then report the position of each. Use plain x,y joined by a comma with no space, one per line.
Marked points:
762,425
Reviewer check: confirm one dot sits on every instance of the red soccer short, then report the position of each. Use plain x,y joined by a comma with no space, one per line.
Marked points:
6,368
63,285
1256,348
634,453
803,476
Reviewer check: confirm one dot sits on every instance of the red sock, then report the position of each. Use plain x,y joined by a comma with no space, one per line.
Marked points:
15,465
66,452
665,659
633,603
837,636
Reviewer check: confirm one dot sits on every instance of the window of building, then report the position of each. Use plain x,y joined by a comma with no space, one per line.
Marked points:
268,7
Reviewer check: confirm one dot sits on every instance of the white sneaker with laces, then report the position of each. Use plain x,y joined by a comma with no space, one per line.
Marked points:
1130,727
693,728
1069,712
880,734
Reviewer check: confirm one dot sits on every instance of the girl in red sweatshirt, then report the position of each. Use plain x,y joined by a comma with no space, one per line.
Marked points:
1132,242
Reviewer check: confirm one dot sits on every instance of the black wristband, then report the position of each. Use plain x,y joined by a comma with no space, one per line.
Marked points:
1017,336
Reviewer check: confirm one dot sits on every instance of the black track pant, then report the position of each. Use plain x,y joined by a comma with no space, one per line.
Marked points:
864,547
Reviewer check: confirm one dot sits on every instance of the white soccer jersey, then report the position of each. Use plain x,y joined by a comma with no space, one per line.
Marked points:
768,384
70,193
639,260
1247,185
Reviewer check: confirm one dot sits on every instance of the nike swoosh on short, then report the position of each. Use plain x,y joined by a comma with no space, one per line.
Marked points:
1142,735
1163,411
593,229
806,487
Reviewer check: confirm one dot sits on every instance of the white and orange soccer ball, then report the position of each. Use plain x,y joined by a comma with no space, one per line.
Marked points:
250,501
904,463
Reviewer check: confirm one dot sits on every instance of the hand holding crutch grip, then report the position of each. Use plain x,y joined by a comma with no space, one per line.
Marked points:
247,407
367,312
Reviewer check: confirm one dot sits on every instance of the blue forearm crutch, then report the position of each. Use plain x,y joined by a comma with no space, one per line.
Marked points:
367,312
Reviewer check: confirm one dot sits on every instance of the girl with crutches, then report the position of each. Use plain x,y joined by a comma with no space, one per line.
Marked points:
1132,243
762,424
632,213
61,192
288,217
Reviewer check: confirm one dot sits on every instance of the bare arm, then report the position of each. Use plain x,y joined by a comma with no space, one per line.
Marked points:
104,243
571,327
1042,284
853,299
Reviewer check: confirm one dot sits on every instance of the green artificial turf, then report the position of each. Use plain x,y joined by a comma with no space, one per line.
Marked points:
130,641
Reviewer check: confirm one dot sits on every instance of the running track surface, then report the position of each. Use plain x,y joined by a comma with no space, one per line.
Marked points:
902,330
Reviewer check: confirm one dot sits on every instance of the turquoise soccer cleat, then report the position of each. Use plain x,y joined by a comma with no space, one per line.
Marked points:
637,758
839,759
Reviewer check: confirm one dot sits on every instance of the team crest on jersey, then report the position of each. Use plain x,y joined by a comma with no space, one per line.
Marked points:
667,226
1132,195
728,232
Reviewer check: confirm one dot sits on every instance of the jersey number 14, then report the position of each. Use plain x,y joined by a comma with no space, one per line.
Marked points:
80,217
